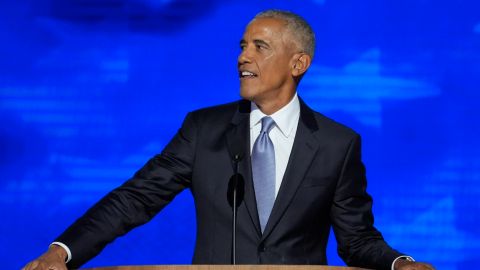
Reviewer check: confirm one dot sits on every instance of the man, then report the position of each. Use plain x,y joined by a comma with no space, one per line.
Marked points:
302,172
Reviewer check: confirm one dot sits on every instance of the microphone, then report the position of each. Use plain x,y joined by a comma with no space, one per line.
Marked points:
236,184
235,195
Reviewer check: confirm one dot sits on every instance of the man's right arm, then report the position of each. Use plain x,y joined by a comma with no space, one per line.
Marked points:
132,204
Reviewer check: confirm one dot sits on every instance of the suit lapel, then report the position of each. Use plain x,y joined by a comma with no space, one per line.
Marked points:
238,142
303,150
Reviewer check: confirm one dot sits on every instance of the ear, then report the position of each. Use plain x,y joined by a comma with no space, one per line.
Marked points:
301,62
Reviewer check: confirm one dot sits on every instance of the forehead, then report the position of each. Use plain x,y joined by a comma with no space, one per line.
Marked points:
265,28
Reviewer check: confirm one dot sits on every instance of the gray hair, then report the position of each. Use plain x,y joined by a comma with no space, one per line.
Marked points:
304,37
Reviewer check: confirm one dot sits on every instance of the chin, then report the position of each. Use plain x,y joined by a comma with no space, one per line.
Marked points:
248,95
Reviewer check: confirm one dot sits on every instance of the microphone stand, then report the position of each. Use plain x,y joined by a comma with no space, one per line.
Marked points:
236,160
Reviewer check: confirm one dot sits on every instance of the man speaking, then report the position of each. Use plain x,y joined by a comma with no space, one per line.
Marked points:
300,173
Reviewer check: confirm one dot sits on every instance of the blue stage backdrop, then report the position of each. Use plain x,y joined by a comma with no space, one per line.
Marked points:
89,90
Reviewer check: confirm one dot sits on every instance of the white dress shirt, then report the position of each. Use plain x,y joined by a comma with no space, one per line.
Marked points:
282,134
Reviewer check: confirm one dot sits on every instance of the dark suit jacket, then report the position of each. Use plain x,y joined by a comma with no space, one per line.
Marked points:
324,185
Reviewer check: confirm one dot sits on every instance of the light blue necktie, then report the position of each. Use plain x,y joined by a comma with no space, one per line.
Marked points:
263,170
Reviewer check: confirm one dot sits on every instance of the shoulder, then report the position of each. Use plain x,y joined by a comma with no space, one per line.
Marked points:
328,124
326,127
223,113
230,107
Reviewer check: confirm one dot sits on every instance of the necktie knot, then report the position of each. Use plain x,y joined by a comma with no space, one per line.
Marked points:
267,124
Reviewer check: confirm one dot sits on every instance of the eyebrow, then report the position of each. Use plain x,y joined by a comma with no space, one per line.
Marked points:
257,42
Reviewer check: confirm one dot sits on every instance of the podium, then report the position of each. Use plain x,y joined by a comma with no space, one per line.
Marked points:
226,267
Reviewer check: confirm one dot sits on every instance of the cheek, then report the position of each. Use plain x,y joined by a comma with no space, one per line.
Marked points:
275,71
268,57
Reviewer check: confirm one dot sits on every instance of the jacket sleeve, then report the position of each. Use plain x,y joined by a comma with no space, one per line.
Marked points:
359,243
137,200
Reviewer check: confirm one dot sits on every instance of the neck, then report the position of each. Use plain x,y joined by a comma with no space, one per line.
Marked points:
270,106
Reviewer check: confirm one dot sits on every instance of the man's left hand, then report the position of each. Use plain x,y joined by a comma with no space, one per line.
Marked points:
408,265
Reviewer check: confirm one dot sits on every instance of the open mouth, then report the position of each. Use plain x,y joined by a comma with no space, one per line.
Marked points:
246,74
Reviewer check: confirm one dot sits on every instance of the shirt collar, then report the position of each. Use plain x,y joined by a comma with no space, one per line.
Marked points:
284,118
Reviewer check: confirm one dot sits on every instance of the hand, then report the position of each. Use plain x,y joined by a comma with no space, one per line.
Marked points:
53,259
408,265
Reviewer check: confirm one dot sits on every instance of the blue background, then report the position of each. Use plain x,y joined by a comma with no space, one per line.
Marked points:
89,90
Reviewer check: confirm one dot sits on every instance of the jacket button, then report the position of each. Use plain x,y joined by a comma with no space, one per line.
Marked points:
262,248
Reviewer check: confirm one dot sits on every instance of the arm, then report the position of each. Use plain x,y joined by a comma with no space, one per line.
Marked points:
359,243
135,202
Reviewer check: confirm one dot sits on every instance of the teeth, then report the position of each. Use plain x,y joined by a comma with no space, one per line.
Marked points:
247,73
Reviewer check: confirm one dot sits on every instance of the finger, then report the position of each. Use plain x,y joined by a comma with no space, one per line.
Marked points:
58,267
30,265
427,266
33,265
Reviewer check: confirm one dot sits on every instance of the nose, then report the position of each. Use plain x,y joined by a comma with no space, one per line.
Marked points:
244,57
